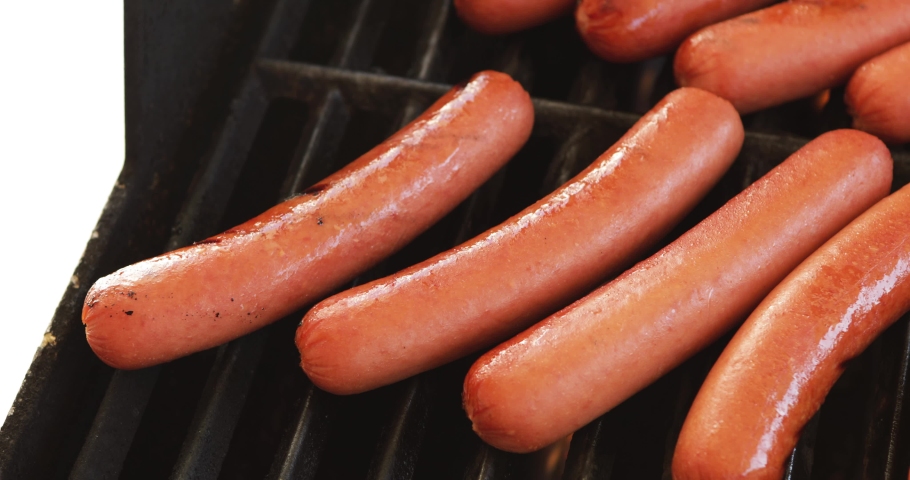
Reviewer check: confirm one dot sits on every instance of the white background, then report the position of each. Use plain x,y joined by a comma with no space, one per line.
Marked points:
61,149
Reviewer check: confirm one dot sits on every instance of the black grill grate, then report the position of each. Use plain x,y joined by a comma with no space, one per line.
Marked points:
234,106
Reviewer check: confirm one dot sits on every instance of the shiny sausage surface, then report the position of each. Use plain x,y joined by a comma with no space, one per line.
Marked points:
775,373
790,50
878,96
226,286
586,359
497,17
635,30
496,284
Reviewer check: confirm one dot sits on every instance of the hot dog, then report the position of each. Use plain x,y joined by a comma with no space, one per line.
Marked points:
587,358
877,96
790,50
632,30
219,289
775,373
492,286
497,17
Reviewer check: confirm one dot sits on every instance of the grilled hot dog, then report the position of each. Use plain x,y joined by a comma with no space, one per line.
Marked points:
790,50
236,282
877,96
632,30
542,258
776,371
581,362
496,17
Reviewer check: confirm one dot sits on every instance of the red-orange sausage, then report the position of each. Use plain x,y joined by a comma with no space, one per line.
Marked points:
497,17
790,50
586,359
635,30
542,258
878,96
776,371
236,282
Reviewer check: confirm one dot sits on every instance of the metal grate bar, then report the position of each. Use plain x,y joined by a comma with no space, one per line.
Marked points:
592,453
491,464
799,464
430,42
104,449
382,93
320,141
298,455
892,469
358,46
400,444
222,399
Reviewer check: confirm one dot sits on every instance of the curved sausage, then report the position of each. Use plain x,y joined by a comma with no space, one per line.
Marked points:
554,251
790,50
878,96
586,359
635,30
219,289
497,17
774,375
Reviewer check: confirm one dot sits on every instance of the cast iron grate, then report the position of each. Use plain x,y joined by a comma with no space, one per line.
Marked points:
233,106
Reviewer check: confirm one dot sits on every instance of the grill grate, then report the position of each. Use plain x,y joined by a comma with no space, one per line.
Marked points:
262,99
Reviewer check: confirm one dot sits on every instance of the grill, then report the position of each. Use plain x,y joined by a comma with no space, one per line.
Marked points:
233,106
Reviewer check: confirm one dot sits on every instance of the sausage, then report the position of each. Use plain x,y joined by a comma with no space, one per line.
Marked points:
877,96
790,50
632,30
775,373
587,358
226,286
498,17
551,253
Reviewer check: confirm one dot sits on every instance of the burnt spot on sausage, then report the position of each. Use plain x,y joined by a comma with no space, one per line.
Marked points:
209,241
319,221
131,294
217,314
315,190
128,312
232,299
